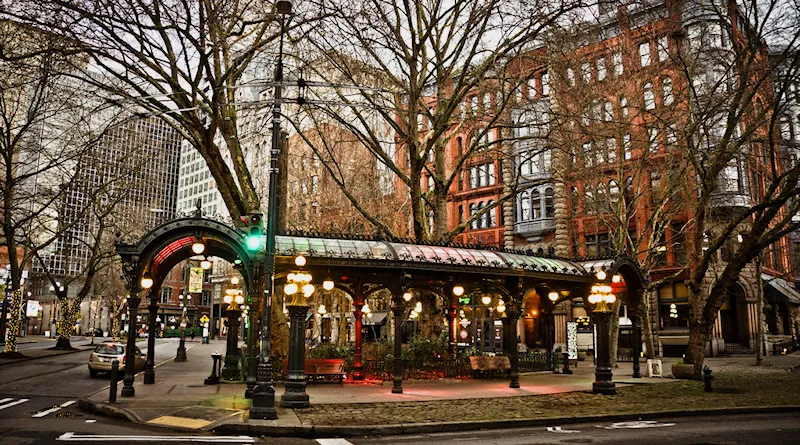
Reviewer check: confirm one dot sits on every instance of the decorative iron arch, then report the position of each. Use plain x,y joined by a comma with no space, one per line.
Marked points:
158,251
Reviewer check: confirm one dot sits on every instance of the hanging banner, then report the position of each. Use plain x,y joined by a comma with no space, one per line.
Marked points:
196,280
572,340
32,309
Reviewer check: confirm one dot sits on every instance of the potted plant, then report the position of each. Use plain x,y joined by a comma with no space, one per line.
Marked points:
681,370
581,355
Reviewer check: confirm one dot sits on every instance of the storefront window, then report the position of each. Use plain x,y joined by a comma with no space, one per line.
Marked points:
673,306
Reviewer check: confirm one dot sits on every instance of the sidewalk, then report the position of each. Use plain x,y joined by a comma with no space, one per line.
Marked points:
180,400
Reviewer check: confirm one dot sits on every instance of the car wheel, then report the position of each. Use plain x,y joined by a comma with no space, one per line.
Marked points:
93,373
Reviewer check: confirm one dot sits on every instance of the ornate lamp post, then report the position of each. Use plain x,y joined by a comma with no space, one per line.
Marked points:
601,297
398,311
234,299
263,406
299,287
130,352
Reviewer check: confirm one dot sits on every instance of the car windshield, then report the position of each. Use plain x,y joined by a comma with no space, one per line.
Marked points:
109,349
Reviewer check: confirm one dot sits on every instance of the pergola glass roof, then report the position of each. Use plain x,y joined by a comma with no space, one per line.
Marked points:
419,254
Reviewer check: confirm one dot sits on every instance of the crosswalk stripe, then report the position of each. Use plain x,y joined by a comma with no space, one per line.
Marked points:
72,437
333,442
54,409
9,405
5,400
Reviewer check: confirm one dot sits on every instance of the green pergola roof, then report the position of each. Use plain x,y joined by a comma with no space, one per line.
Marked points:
416,255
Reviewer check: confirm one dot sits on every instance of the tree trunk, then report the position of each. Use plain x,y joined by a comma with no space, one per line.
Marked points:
699,333
647,326
12,325
760,311
67,324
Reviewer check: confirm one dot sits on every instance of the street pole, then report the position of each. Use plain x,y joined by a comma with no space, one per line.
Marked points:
263,406
4,311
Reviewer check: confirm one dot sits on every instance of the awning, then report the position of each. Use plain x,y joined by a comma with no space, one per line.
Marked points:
781,287
377,318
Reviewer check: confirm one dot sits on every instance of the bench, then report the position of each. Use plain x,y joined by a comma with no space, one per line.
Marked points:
320,370
490,365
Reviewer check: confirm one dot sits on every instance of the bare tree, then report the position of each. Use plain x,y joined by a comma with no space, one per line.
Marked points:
415,76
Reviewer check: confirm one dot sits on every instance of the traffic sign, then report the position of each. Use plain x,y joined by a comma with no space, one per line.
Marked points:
204,319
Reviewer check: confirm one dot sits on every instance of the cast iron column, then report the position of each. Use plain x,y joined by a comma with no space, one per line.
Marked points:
358,366
130,353
637,345
397,373
252,358
602,383
149,365
512,315
231,371
453,331
295,395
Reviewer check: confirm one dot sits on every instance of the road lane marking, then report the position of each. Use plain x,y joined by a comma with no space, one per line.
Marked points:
636,424
72,437
9,405
54,409
557,429
333,442
8,399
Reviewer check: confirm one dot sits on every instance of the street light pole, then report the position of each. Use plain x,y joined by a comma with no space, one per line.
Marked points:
263,406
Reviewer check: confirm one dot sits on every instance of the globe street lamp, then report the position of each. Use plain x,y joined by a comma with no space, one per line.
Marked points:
601,297
181,355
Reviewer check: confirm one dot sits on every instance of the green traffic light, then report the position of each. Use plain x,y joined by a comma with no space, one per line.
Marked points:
254,243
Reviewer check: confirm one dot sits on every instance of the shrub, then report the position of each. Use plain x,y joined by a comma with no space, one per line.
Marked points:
423,349
329,350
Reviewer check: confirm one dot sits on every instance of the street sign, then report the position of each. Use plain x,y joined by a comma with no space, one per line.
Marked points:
204,319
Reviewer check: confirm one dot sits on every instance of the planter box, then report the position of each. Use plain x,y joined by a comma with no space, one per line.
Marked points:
581,356
684,371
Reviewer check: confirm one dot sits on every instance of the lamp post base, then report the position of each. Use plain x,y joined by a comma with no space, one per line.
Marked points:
295,395
181,355
263,406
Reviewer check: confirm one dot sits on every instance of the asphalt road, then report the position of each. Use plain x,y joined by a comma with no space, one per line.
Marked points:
38,398
37,406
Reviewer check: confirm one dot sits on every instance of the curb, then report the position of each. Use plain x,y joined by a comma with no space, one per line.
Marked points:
312,431
27,359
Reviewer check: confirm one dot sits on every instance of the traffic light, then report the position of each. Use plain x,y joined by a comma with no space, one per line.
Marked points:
255,231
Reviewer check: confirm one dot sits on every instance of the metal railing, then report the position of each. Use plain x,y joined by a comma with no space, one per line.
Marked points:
533,361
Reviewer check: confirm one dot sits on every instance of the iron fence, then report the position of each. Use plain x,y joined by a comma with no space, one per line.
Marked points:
533,361
382,369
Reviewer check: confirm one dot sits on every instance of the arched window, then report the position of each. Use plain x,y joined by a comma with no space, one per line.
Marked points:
525,206
472,211
649,97
536,199
666,87
548,203
491,216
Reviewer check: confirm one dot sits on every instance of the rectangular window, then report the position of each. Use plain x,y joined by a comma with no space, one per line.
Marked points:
545,84
663,49
623,105
532,88
608,112
586,72
571,76
626,145
611,149
644,53
618,67
587,154
601,68
672,134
